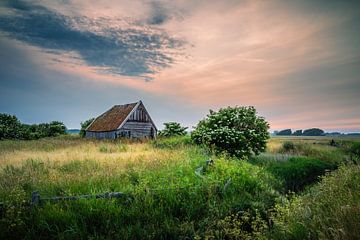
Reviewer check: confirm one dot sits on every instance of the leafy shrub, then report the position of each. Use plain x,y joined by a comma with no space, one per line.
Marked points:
10,127
237,131
298,172
173,129
329,210
354,152
288,146
84,125
242,225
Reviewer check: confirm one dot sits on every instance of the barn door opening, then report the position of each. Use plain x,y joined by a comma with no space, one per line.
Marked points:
152,133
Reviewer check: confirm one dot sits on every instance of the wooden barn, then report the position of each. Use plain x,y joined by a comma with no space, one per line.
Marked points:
128,120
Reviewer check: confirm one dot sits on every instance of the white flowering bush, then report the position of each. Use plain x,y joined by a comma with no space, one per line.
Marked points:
238,131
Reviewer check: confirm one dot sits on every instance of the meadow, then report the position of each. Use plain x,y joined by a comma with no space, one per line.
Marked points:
300,188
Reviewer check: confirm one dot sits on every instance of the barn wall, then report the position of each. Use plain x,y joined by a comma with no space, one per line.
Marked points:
101,135
137,129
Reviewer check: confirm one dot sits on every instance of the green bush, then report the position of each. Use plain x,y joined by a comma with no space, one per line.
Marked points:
84,125
329,210
354,152
237,131
173,129
288,146
10,127
298,172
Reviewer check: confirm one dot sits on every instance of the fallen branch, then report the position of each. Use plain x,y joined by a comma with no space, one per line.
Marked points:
36,199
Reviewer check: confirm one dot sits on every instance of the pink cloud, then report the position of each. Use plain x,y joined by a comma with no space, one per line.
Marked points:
238,54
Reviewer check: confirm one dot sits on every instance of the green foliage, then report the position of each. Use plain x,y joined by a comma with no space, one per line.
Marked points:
238,131
169,195
285,132
230,199
172,129
84,125
354,152
12,128
297,133
172,142
242,225
329,210
297,172
319,151
288,146
313,132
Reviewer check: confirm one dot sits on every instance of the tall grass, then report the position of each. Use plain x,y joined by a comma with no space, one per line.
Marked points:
168,200
299,172
232,199
329,210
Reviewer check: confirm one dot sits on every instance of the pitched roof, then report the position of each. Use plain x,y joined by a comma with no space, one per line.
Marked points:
112,119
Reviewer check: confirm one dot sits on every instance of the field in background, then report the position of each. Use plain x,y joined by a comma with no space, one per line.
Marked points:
167,198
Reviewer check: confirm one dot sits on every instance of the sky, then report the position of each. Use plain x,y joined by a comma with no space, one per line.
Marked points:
296,62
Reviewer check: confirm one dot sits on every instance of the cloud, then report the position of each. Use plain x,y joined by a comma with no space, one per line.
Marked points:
158,14
129,50
297,62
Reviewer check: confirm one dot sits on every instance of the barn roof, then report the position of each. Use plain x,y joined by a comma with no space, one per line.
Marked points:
112,118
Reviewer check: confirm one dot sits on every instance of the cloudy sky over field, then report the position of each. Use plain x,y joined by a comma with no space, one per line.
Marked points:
297,62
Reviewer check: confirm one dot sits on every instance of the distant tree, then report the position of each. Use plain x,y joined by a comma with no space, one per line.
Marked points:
84,125
10,127
237,131
27,132
313,132
297,133
172,129
285,132
56,128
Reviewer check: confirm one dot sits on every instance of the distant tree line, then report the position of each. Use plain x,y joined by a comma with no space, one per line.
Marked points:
307,132
312,132
12,128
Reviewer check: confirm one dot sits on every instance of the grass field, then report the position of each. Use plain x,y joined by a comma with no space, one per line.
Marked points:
233,199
